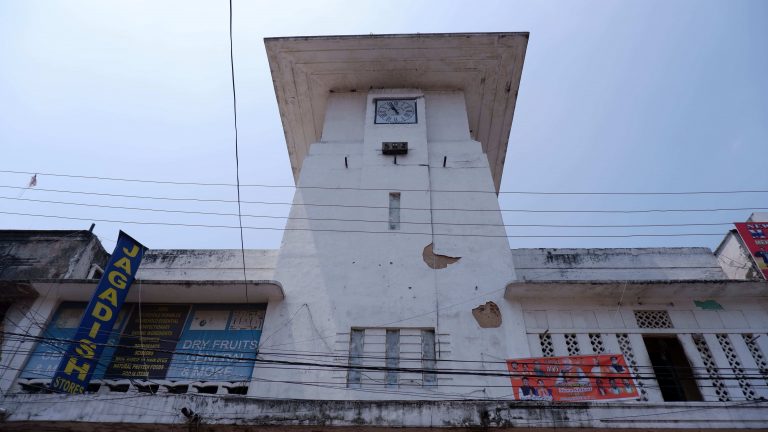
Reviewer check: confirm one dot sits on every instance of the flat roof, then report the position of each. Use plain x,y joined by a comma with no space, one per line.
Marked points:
486,66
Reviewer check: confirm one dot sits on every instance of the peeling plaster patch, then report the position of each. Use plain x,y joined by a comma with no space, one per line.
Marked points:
437,261
708,305
487,315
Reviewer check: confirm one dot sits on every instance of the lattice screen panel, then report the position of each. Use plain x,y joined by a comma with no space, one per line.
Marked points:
653,319
572,344
736,366
629,355
757,354
547,347
709,364
596,340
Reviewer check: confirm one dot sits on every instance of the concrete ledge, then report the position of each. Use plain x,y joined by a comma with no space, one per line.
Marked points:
643,289
171,291
147,412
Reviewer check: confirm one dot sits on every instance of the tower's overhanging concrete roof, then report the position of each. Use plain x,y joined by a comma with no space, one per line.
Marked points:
486,66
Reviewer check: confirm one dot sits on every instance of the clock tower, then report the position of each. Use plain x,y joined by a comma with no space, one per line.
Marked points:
395,255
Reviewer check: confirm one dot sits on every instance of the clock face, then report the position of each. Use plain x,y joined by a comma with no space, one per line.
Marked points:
395,111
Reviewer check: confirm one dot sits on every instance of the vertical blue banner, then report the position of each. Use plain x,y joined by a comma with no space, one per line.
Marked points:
82,356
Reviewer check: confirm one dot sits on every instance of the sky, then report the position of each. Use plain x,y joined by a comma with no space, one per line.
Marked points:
630,96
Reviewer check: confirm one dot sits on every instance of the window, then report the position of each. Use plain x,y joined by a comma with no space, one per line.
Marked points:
428,357
356,342
672,370
394,210
653,319
391,358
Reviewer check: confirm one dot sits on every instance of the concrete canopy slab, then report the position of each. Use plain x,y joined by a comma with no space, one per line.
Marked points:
486,66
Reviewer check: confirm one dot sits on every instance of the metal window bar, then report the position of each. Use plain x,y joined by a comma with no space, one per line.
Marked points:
392,357
356,341
428,357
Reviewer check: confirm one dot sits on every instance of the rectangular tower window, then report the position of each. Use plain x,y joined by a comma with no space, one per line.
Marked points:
428,357
672,370
356,340
394,210
392,357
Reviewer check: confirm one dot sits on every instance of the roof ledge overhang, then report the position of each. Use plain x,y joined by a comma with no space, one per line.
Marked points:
486,66
170,291
636,289
15,290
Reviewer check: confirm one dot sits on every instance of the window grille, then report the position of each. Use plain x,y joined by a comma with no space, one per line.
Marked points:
547,347
736,366
757,354
596,340
709,364
428,357
629,354
653,319
385,357
572,344
356,341
392,357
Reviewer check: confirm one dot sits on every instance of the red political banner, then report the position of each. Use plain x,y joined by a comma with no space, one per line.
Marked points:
755,237
573,378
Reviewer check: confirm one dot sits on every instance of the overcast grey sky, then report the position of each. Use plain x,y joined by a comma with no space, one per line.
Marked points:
615,96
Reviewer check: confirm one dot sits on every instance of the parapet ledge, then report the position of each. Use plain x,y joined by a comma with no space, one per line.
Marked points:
170,291
635,288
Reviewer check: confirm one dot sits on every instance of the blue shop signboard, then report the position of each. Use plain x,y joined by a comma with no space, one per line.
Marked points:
219,343
175,342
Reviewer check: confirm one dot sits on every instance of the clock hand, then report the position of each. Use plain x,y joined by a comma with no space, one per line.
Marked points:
392,105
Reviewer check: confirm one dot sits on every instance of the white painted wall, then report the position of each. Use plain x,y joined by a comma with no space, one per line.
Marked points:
617,264
206,264
338,276
734,258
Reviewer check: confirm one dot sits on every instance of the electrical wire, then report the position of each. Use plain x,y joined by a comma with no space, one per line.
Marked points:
362,220
237,152
438,395
363,231
728,375
341,366
55,342
345,358
212,200
189,183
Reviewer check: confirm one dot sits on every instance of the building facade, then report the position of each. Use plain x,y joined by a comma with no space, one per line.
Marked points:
395,299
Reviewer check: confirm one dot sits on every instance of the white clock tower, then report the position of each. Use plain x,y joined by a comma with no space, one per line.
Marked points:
395,255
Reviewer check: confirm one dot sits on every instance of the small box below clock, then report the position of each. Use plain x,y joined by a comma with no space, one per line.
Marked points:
394,148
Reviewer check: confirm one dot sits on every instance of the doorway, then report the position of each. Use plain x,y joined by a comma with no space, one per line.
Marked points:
672,369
